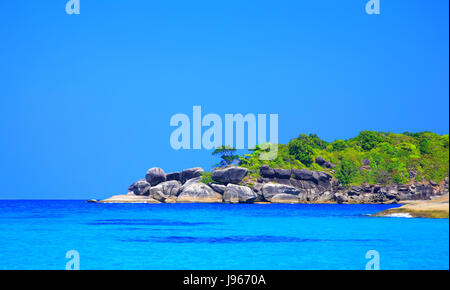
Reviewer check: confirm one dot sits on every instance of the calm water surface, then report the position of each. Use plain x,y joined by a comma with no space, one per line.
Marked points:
37,235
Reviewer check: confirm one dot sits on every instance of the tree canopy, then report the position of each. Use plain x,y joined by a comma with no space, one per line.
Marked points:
372,157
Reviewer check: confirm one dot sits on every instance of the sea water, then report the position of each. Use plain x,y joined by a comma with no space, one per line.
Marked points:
38,234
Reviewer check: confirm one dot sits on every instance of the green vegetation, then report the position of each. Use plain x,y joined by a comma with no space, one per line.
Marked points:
207,178
372,157
346,171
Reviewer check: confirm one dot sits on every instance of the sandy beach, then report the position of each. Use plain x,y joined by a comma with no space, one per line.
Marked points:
437,207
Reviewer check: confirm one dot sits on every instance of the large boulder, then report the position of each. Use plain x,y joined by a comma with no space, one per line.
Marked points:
433,183
321,176
303,174
320,160
165,190
199,192
329,165
139,187
238,194
155,176
323,180
220,188
190,181
282,173
269,190
229,175
266,172
191,173
173,176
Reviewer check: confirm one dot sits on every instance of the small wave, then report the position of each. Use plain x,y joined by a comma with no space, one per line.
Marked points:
400,215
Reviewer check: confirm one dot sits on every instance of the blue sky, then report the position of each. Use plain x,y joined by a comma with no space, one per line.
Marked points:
85,100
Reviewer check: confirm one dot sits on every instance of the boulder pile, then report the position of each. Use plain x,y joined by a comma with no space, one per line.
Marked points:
275,185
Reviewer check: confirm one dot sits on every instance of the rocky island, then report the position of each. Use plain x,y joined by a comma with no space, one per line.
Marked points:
231,185
374,167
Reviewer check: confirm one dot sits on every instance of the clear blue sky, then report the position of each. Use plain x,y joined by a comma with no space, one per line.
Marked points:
85,100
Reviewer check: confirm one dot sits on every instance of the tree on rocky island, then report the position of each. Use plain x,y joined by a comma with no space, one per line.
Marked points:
227,155
301,150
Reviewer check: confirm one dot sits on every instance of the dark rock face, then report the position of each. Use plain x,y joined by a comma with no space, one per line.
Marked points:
238,194
230,175
155,176
282,173
276,180
220,188
322,179
139,187
329,165
303,174
191,173
320,160
173,176
266,172
433,183
319,186
423,192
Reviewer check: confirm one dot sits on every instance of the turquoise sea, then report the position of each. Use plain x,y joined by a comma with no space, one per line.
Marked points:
38,234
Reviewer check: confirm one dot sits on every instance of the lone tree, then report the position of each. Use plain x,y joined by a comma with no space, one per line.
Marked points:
227,155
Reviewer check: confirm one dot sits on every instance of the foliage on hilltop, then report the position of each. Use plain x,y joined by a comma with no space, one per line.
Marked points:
372,157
